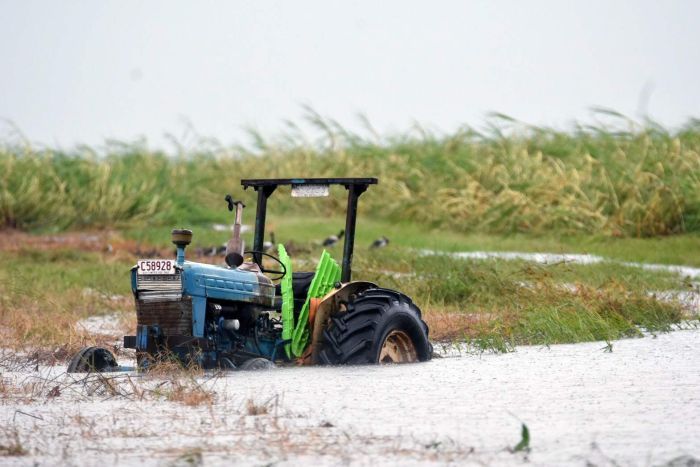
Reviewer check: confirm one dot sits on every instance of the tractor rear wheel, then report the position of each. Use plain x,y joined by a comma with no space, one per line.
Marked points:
379,326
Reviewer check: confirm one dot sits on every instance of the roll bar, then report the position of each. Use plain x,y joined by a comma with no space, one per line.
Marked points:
265,188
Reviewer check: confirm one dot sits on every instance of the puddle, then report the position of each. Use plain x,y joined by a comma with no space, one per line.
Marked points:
689,301
553,258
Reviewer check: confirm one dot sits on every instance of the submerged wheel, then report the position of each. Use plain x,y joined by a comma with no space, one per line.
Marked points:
92,359
379,326
256,364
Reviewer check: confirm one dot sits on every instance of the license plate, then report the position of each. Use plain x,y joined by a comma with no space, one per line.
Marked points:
156,266
309,191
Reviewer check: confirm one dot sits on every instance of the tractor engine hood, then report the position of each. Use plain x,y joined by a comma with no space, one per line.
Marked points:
206,280
199,282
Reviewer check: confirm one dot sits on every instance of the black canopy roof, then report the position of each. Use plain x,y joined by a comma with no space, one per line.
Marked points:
307,181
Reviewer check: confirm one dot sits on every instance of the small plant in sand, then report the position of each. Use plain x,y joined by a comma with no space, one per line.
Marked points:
180,383
524,444
188,392
10,443
254,408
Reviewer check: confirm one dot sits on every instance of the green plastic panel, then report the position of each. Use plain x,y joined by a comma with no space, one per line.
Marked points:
287,299
327,274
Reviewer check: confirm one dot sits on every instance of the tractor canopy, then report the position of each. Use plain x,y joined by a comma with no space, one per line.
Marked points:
310,187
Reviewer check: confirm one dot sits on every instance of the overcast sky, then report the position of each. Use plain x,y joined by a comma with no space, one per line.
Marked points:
82,71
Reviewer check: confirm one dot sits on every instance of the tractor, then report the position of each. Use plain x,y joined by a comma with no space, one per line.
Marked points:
236,317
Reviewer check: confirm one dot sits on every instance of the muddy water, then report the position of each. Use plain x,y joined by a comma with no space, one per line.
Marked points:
636,405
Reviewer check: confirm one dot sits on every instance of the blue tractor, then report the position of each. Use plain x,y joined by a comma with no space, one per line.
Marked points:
234,316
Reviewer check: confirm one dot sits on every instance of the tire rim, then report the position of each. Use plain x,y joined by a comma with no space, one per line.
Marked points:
398,348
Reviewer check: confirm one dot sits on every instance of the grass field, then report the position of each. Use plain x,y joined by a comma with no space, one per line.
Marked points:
46,288
628,196
634,182
673,249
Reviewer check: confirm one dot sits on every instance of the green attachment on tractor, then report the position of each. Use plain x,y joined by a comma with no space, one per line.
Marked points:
287,299
327,275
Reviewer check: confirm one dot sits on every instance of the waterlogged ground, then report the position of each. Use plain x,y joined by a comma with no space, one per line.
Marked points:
635,403
574,258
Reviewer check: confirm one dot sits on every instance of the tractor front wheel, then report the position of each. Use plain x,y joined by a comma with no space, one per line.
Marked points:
93,359
379,326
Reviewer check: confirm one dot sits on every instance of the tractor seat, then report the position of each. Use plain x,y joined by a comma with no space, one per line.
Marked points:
301,281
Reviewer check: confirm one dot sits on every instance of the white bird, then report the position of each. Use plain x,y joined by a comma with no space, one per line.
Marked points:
380,242
333,239
217,250
267,246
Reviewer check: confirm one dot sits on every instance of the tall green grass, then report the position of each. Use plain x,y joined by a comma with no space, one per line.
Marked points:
491,304
644,181
500,304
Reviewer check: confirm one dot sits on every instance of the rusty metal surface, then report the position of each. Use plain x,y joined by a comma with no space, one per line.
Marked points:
159,287
398,347
174,317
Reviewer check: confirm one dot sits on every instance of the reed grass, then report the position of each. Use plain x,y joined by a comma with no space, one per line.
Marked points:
640,182
499,304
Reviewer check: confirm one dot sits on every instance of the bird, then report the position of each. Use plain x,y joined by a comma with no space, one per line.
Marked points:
214,250
333,239
210,250
294,248
381,242
267,246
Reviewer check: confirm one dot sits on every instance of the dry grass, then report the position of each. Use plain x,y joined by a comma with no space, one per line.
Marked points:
11,445
189,393
45,293
5,387
168,366
44,328
449,325
254,408
180,386
178,382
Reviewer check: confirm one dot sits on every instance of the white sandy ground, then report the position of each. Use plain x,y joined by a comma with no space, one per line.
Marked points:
636,405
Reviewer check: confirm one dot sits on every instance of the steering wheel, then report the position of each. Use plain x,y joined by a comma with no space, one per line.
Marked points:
281,273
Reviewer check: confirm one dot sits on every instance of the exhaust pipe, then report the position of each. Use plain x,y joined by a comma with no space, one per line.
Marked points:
235,246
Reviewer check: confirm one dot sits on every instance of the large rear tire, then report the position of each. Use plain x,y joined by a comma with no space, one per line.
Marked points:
379,326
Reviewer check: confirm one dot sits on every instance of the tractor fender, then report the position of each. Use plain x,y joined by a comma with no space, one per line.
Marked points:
328,305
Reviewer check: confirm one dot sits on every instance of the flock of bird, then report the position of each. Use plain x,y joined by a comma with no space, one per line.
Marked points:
291,247
331,241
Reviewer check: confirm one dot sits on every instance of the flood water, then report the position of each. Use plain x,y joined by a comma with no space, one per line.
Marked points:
638,404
